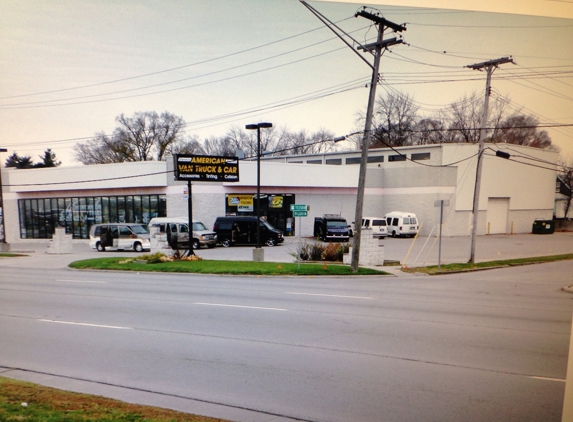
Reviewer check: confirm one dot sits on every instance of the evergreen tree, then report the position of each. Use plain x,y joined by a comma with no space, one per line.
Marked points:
18,162
48,160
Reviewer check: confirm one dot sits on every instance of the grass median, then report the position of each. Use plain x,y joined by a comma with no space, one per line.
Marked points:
24,401
465,267
224,267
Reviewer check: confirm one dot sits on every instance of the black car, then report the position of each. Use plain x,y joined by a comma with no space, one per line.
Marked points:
238,230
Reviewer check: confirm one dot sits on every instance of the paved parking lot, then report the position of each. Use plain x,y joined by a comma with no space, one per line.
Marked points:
418,252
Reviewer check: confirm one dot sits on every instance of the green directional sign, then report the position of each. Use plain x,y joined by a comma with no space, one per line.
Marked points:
300,214
299,207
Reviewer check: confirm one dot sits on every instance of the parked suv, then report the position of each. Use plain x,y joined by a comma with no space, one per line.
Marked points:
119,236
331,227
242,230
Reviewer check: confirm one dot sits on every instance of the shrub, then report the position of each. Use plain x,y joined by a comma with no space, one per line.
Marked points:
335,251
318,252
158,257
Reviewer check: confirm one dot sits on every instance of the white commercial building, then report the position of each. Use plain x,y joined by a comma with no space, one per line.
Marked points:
514,191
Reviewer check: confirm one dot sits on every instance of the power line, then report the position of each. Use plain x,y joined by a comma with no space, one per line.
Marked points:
173,68
289,102
42,105
492,26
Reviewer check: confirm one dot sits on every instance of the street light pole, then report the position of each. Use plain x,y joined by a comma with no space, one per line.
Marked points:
4,246
258,253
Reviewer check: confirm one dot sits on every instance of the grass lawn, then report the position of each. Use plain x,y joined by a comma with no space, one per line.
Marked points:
454,268
27,402
224,267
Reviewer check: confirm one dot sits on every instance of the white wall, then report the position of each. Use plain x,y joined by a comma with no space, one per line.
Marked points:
103,176
390,186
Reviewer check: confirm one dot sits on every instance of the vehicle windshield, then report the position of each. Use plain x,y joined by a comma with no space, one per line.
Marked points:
198,226
138,229
267,225
336,224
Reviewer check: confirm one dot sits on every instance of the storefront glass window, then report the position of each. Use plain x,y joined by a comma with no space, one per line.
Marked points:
137,209
129,216
39,217
275,208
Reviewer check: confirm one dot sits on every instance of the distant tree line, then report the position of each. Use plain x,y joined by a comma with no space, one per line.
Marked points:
396,123
149,136
25,162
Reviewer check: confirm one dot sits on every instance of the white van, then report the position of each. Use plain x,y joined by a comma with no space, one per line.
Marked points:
119,236
402,223
378,226
176,230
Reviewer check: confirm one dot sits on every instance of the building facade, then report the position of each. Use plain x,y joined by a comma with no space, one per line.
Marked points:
514,192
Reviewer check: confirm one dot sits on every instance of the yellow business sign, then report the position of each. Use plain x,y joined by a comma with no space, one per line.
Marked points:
240,200
276,201
206,168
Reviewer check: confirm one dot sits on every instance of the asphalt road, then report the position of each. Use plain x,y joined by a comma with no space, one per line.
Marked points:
485,346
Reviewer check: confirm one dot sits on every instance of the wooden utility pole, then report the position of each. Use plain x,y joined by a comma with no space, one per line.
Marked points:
489,66
376,49
378,46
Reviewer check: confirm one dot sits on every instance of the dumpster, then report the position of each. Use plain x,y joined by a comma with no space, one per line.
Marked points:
543,227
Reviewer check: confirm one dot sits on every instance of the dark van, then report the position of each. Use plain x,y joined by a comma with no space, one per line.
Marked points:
243,231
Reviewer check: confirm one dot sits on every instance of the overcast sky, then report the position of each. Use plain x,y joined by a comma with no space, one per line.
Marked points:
68,68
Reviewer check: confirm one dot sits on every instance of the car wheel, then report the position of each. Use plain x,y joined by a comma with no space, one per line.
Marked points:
394,233
196,244
137,247
100,247
271,242
226,243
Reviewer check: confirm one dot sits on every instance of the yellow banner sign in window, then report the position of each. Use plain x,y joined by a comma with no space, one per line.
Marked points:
276,201
240,200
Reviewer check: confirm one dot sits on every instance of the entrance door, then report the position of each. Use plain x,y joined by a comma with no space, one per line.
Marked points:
497,215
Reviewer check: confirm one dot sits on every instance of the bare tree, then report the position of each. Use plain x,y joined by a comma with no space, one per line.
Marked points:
522,130
146,136
465,118
228,146
394,120
222,147
566,176
101,149
274,141
187,145
295,143
431,131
